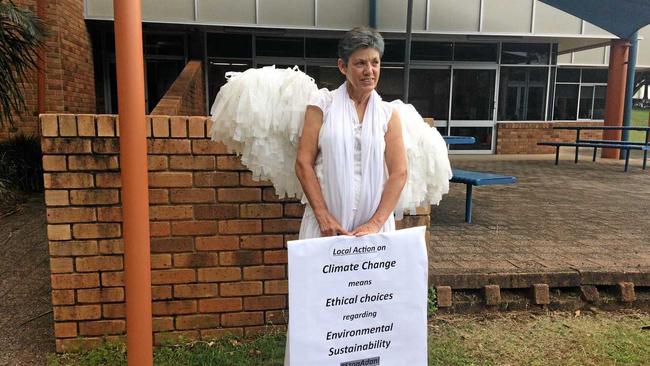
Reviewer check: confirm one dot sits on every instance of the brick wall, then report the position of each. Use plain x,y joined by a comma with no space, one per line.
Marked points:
218,236
522,137
76,61
69,75
186,96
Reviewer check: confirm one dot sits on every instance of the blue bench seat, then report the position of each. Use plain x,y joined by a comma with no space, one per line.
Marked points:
471,179
624,146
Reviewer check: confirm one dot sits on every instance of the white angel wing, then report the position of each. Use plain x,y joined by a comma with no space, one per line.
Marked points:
429,170
259,114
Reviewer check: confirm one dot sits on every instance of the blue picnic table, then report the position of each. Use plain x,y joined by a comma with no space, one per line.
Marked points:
471,178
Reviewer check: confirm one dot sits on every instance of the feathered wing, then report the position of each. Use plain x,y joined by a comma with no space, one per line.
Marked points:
259,113
429,170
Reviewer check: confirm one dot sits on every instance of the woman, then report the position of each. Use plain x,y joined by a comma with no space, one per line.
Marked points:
351,160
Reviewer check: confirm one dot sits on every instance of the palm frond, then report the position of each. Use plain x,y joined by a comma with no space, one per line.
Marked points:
21,34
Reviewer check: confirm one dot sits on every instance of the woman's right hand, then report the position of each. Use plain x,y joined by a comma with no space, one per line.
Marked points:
329,226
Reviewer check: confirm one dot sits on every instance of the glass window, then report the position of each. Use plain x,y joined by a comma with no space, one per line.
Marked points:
566,102
554,54
586,102
391,83
483,136
429,92
568,75
112,75
594,75
592,102
164,44
280,46
522,53
475,52
549,106
522,91
431,51
326,76
321,48
393,50
230,45
473,95
217,75
600,94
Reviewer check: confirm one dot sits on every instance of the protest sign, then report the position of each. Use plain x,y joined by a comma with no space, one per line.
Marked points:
359,301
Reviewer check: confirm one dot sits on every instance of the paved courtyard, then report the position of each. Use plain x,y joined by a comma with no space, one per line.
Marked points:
563,225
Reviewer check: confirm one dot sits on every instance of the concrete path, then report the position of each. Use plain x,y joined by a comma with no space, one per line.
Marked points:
27,331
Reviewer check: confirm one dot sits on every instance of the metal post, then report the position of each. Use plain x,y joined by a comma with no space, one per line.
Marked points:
617,74
133,166
629,91
372,21
468,204
407,50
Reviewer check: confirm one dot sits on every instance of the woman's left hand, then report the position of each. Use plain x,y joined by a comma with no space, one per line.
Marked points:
369,227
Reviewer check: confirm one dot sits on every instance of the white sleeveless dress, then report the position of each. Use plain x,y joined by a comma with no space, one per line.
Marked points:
350,163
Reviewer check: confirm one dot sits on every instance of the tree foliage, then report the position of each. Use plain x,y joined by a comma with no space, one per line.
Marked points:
21,34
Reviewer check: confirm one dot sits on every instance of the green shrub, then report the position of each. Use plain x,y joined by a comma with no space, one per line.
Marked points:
21,166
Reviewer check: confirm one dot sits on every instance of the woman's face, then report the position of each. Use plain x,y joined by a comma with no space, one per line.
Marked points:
362,70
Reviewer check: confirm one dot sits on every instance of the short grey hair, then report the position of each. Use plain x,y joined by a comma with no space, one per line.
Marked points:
360,37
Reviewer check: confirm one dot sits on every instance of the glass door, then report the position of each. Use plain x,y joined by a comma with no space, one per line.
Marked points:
472,107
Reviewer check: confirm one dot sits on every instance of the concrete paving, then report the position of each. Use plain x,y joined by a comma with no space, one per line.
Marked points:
565,225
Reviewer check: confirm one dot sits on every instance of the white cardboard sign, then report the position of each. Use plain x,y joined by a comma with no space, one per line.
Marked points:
359,301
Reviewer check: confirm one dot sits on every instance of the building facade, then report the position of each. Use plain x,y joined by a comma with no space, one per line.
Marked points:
476,66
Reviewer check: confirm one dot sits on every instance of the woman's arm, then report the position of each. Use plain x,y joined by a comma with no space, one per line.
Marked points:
305,160
395,156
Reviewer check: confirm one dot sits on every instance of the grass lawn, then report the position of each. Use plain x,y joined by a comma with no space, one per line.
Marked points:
556,339
639,118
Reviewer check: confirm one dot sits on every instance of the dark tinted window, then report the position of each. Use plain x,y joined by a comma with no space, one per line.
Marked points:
429,92
326,76
217,75
164,44
393,50
566,102
483,136
279,46
475,52
230,45
321,48
431,51
522,91
568,75
594,75
391,83
528,54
